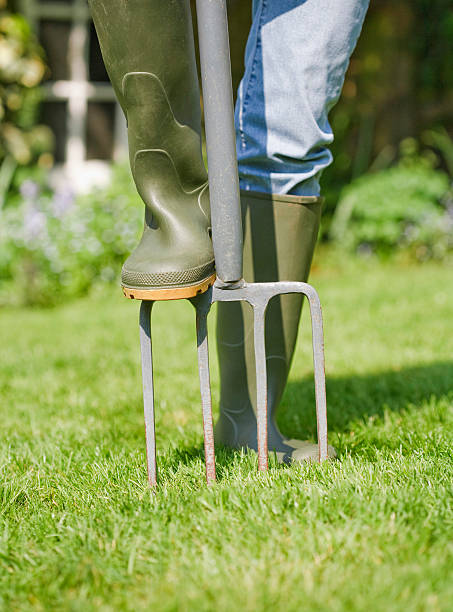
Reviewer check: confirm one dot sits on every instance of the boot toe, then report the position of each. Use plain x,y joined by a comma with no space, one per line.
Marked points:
154,264
307,451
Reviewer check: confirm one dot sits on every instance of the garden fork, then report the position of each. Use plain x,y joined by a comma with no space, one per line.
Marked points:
227,241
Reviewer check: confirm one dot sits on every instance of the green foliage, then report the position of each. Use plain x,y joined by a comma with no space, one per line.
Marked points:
370,531
399,84
54,246
22,69
408,206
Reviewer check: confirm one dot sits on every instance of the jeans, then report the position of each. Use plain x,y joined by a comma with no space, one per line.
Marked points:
295,62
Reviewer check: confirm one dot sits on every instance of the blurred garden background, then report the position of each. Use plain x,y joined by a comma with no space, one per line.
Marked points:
79,528
69,214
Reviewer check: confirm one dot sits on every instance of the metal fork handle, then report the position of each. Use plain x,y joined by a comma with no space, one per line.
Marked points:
220,138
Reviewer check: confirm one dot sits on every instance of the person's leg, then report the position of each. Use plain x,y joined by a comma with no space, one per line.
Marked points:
296,59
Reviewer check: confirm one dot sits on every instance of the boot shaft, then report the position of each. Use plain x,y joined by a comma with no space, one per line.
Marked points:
154,36
280,233
148,50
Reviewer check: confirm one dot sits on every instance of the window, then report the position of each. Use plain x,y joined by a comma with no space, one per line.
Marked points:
79,102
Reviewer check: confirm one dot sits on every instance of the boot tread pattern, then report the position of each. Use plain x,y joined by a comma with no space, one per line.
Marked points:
169,293
182,277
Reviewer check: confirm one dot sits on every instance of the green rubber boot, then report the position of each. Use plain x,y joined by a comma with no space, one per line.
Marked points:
280,233
148,50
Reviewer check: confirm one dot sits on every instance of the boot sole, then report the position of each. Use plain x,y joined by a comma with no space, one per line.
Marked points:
169,293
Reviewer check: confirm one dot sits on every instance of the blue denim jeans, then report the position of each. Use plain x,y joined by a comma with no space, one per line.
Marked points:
295,62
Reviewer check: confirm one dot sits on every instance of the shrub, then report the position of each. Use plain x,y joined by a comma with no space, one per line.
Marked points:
408,206
22,69
55,246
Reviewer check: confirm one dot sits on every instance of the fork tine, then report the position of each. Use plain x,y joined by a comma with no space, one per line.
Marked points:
319,370
202,306
259,313
148,389
205,390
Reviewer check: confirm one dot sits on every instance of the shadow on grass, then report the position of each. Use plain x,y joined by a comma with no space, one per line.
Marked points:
354,398
349,400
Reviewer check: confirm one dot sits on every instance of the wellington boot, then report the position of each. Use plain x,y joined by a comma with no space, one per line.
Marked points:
280,233
148,50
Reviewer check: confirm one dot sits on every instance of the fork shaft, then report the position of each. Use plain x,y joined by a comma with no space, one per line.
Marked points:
220,138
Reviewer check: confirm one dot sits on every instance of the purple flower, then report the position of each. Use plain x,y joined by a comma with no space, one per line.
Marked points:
35,224
29,190
62,202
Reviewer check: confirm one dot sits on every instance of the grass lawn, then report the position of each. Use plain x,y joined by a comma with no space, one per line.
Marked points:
79,529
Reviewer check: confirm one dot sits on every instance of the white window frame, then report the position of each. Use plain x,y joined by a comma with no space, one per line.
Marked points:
78,90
